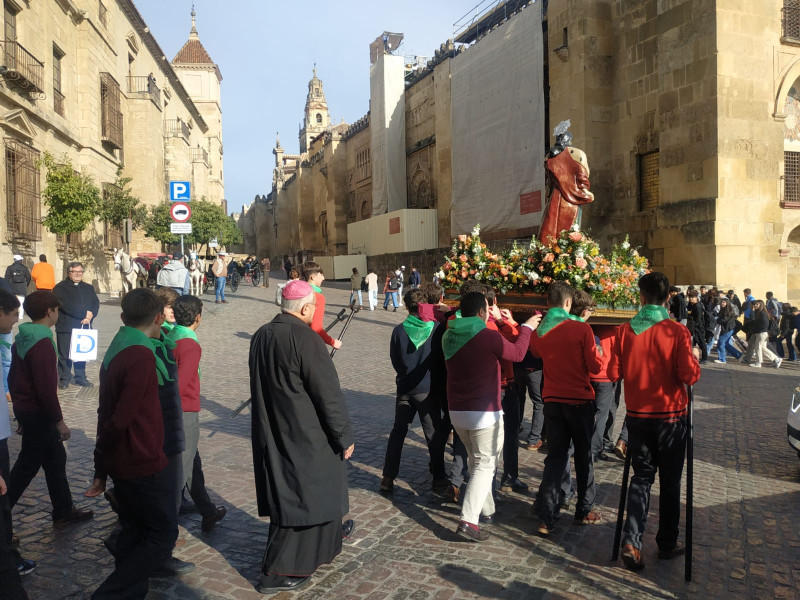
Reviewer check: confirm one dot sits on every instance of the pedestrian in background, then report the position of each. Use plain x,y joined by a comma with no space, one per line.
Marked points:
314,276
758,329
43,275
355,288
390,290
265,269
372,289
786,332
726,319
401,275
18,275
220,273
414,279
79,307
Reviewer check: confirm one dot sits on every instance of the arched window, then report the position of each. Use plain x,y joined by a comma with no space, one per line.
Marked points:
319,118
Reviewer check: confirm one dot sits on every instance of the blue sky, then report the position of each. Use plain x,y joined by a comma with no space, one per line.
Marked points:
266,50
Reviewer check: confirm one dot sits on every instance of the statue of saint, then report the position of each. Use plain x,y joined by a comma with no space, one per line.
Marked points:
568,179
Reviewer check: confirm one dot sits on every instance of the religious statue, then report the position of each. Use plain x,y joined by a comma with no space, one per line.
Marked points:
568,179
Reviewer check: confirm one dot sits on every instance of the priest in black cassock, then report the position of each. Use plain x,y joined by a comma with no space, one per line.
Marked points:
301,438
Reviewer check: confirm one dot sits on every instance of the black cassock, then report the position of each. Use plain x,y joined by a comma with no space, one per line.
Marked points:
300,429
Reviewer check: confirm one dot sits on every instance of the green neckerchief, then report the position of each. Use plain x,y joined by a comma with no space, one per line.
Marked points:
179,332
4,344
418,330
459,332
649,315
167,327
554,317
316,288
31,334
130,336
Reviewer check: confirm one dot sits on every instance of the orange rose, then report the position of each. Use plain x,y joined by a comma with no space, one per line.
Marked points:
462,238
503,271
581,263
463,258
547,279
549,257
576,236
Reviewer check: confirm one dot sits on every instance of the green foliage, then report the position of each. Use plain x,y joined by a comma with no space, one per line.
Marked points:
156,226
119,204
72,199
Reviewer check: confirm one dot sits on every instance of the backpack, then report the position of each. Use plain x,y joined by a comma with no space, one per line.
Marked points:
364,286
773,305
394,285
774,329
17,274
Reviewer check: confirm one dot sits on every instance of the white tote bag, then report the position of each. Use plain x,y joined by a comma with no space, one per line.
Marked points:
83,345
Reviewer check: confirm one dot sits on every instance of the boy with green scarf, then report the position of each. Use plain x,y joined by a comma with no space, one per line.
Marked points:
33,383
410,352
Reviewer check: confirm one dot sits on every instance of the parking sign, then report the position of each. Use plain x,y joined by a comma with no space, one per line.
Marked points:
180,191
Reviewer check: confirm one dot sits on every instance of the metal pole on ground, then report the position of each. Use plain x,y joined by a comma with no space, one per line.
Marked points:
687,567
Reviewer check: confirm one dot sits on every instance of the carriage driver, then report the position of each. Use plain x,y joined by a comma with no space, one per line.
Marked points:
174,275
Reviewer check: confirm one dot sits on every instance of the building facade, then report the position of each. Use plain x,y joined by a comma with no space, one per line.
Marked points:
86,80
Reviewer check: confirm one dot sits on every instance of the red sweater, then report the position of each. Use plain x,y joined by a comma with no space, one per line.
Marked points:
607,334
316,323
508,329
473,373
187,356
33,382
130,425
569,356
655,366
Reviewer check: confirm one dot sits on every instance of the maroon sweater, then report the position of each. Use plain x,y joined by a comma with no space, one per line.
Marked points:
187,356
473,373
570,357
130,425
33,382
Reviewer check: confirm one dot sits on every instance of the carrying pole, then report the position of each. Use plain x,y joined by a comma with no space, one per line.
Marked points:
353,310
623,497
687,567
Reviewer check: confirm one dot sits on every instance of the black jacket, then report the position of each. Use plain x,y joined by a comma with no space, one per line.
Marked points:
726,325
412,365
76,299
17,270
678,307
759,323
171,409
300,426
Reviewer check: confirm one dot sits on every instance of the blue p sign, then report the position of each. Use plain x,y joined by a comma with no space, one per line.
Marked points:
180,191
86,344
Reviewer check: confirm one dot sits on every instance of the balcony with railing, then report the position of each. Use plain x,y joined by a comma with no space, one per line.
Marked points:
58,102
110,111
176,128
22,69
200,155
146,87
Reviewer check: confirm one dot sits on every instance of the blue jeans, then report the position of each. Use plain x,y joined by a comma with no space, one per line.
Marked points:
6,357
219,288
724,346
353,297
779,344
390,296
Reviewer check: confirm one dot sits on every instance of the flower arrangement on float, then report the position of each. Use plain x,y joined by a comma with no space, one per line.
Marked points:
573,257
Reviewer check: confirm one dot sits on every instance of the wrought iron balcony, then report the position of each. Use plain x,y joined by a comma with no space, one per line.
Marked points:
176,128
22,68
145,86
790,17
111,124
200,155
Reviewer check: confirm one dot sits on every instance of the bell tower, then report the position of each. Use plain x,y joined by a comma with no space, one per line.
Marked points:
317,118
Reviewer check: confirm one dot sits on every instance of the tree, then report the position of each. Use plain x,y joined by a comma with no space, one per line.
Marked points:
156,226
72,199
210,221
119,204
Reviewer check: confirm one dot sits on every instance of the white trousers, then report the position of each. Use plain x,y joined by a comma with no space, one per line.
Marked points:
757,346
373,299
483,450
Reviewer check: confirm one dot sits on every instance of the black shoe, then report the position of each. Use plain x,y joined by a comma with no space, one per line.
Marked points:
513,484
440,486
385,308
187,507
348,527
75,515
83,382
270,585
63,385
207,524
25,566
173,566
488,519
465,530
395,310
679,549
601,456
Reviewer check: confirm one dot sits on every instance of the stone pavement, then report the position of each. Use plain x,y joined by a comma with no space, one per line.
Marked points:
747,493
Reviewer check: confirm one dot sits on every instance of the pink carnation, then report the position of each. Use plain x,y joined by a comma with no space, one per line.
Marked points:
549,257
462,238
576,236
581,263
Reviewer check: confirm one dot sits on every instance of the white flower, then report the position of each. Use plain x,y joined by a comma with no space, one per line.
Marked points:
579,254
626,244
440,274
477,276
481,265
575,227
476,231
533,275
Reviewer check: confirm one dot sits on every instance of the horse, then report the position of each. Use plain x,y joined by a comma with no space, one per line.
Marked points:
130,270
197,269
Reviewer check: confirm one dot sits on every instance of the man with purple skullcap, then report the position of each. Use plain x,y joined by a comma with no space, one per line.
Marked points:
301,437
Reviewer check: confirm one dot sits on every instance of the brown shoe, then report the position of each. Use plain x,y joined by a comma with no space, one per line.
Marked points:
632,557
544,529
216,301
621,449
75,515
679,549
207,524
592,518
387,485
535,446
474,534
452,494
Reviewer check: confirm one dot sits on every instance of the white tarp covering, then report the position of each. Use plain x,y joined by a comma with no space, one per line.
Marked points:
498,128
387,124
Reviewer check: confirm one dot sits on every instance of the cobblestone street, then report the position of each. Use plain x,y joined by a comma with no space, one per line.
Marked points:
747,493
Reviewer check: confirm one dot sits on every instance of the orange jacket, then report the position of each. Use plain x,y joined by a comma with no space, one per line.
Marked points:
44,276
